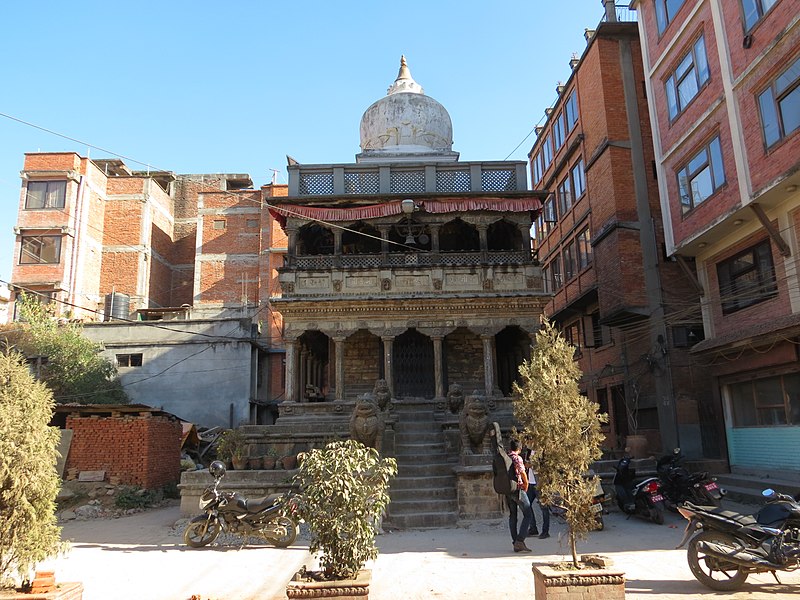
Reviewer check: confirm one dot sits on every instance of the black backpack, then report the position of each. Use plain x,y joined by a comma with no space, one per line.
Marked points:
504,476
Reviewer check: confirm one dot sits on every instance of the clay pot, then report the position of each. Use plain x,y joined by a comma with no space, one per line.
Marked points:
268,462
289,462
239,463
636,445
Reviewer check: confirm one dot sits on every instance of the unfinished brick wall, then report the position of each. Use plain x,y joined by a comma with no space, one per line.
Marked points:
136,450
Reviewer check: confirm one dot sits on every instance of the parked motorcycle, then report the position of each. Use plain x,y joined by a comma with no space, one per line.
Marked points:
233,513
678,485
730,545
557,508
641,497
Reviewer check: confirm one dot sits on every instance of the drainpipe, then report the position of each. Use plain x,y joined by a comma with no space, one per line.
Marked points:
76,239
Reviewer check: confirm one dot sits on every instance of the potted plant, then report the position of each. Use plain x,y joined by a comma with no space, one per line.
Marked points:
343,493
562,428
232,447
269,458
28,452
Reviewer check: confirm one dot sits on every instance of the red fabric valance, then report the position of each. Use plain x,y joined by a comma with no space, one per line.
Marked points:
358,213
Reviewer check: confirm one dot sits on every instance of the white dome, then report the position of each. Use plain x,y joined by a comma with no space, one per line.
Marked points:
406,123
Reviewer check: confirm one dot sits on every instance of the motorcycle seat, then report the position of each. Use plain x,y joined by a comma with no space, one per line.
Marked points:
254,505
743,520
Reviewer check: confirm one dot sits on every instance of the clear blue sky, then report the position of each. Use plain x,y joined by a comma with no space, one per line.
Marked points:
213,87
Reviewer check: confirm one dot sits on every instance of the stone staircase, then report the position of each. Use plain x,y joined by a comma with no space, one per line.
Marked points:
424,491
746,488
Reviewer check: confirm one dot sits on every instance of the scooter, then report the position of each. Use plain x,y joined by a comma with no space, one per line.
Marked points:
642,498
678,485
233,513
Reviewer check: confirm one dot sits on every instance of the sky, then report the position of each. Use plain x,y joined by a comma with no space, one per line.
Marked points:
234,87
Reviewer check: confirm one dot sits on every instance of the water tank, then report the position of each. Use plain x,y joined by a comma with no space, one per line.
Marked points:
117,306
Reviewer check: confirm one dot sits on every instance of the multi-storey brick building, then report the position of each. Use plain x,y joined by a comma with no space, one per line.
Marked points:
102,241
723,79
616,296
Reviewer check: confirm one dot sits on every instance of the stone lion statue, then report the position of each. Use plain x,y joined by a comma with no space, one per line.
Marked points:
381,394
474,423
366,425
455,398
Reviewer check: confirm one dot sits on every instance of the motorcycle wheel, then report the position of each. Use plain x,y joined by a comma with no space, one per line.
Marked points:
290,535
201,531
657,513
713,572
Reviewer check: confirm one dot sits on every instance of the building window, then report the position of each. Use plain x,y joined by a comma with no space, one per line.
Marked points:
556,279
219,224
547,152
780,105
571,111
129,360
40,249
598,330
558,131
572,333
548,288
747,278
46,194
564,196
569,261
687,79
576,174
537,167
540,231
550,213
754,10
702,176
665,12
584,246
686,336
766,402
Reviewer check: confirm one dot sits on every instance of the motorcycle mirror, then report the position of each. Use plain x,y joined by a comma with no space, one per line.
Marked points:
768,493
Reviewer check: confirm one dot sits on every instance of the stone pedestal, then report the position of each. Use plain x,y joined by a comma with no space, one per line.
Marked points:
584,584
344,589
476,496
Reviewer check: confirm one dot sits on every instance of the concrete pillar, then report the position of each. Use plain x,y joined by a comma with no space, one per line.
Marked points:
339,344
388,341
437,366
488,364
292,352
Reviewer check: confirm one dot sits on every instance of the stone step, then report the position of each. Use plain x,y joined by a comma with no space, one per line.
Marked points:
417,438
443,493
425,470
414,427
428,458
406,507
423,520
421,448
404,482
747,488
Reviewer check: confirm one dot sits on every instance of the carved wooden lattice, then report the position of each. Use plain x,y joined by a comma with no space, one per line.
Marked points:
312,184
498,180
362,182
406,182
453,181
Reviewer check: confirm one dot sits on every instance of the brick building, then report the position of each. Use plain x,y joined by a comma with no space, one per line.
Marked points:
126,251
723,79
627,308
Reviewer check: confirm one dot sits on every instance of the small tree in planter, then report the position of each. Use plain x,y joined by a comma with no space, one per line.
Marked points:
562,427
28,479
232,446
344,490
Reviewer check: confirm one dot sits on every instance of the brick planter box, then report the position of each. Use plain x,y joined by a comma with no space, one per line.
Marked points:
344,589
585,584
63,591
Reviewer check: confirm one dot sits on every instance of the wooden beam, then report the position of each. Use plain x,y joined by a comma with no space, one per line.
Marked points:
687,270
783,247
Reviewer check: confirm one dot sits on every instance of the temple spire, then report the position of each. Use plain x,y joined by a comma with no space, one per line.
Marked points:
404,82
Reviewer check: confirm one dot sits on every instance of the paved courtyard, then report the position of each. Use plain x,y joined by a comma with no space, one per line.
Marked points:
142,557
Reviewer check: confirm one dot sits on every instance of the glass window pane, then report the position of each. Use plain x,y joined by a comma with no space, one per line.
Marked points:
701,63
769,117
791,387
790,111
698,161
684,66
716,162
744,410
687,89
672,102
686,194
36,192
673,6
789,76
56,190
702,186
661,16
750,8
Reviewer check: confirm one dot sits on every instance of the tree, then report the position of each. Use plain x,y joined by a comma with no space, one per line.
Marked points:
75,371
29,482
344,489
562,427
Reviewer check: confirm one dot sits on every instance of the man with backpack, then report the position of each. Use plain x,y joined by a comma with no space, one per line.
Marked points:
511,480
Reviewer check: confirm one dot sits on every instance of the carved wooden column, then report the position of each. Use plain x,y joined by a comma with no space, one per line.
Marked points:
291,245
302,374
484,240
388,374
384,229
527,246
437,365
292,352
339,349
488,364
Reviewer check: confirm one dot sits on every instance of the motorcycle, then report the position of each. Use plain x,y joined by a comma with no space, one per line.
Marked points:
233,513
642,498
557,508
731,545
679,485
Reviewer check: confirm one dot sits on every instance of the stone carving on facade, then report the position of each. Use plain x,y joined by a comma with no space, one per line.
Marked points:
474,423
455,398
386,284
488,285
337,285
533,282
437,284
288,287
382,394
366,424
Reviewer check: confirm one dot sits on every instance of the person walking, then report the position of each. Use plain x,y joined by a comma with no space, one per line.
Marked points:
519,500
533,494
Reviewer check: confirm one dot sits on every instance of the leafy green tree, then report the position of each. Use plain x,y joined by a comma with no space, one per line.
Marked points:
344,489
562,427
75,371
29,482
